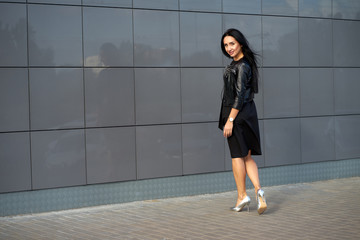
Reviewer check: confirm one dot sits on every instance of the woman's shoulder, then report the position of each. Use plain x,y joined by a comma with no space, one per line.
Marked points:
242,65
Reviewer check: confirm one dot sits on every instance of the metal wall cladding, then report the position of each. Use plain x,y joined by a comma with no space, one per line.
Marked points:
13,30
14,104
108,91
55,36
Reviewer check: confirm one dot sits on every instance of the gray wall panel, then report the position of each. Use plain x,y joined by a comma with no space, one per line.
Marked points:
282,141
15,169
280,41
55,35
315,8
259,97
156,38
110,155
109,97
347,86
201,5
199,39
349,9
71,2
315,102
201,94
242,6
58,158
108,46
14,99
317,139
56,98
158,151
280,7
347,140
157,4
203,148
108,3
157,95
13,32
260,159
281,92
346,38
15,1
315,37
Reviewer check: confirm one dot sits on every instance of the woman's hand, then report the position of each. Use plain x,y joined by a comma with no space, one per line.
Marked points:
228,129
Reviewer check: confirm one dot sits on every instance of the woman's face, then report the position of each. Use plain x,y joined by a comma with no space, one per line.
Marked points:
233,48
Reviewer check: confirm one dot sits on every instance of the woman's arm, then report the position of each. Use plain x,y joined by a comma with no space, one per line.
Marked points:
241,84
230,124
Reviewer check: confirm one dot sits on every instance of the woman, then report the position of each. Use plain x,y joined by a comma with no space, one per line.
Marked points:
238,117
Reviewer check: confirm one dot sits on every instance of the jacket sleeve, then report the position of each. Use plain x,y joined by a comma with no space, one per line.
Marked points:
240,86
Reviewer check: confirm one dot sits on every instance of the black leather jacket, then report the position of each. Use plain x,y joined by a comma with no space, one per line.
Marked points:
237,84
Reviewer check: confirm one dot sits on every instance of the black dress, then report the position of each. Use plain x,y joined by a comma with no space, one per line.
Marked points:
238,93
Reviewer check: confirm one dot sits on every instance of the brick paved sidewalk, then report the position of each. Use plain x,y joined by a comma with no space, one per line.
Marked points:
319,210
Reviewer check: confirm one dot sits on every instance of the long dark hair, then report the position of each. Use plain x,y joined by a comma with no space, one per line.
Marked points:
249,54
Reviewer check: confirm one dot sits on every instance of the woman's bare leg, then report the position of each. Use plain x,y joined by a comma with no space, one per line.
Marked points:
239,171
252,171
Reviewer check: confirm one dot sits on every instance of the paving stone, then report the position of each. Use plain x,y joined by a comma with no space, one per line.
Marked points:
318,210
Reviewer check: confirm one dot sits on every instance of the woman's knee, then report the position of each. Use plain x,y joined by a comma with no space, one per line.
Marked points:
248,157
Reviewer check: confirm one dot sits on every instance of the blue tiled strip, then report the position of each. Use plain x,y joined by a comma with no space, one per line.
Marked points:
101,194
